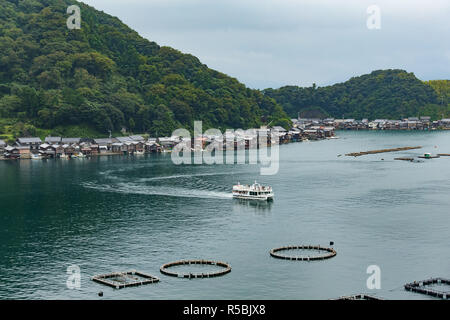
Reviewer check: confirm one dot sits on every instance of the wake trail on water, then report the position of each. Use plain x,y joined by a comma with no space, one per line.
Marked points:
130,188
182,176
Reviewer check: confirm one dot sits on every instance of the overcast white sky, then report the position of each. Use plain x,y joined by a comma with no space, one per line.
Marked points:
271,43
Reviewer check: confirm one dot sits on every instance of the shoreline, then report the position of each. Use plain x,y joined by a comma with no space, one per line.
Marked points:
169,151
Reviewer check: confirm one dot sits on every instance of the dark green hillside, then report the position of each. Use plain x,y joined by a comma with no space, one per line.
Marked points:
106,77
380,94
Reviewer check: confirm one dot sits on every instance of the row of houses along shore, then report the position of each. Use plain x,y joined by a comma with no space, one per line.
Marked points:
411,123
302,130
58,147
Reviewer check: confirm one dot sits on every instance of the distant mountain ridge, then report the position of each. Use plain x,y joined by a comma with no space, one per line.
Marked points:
389,93
106,77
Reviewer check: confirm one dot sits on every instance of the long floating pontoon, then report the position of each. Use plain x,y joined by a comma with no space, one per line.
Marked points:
363,153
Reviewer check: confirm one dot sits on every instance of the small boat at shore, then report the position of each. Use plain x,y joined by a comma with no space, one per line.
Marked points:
253,192
36,156
429,156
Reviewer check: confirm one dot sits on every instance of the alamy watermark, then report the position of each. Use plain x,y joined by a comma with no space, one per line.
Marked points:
74,21
374,19
233,147
374,280
74,277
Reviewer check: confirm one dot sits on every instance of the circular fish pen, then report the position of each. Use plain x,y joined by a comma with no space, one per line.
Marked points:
225,268
323,253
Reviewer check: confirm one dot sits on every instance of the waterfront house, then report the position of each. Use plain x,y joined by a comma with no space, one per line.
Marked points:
124,145
296,134
312,134
426,120
53,140
86,149
139,146
69,150
105,144
130,144
31,143
22,152
59,150
152,146
166,143
119,147
47,150
94,149
445,123
328,132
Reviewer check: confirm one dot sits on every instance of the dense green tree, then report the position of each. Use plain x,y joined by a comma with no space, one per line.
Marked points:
105,77
380,94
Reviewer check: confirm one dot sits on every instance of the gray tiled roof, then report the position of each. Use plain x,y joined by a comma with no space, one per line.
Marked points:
70,140
137,138
124,139
104,141
53,139
29,140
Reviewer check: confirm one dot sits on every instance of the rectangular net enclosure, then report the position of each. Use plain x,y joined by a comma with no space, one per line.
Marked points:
435,287
119,280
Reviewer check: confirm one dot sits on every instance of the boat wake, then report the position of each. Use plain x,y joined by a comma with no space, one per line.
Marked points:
130,188
183,176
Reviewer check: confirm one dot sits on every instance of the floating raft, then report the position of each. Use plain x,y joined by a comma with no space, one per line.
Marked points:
226,269
363,153
119,280
444,154
420,287
359,297
330,252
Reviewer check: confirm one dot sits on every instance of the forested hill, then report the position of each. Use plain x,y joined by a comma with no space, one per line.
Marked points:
106,77
389,94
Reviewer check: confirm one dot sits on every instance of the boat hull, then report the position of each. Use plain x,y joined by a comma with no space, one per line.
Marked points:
261,198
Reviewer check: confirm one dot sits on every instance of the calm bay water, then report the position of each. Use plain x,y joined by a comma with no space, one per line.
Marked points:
119,213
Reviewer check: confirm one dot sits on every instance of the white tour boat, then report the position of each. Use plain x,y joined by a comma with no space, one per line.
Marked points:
252,192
